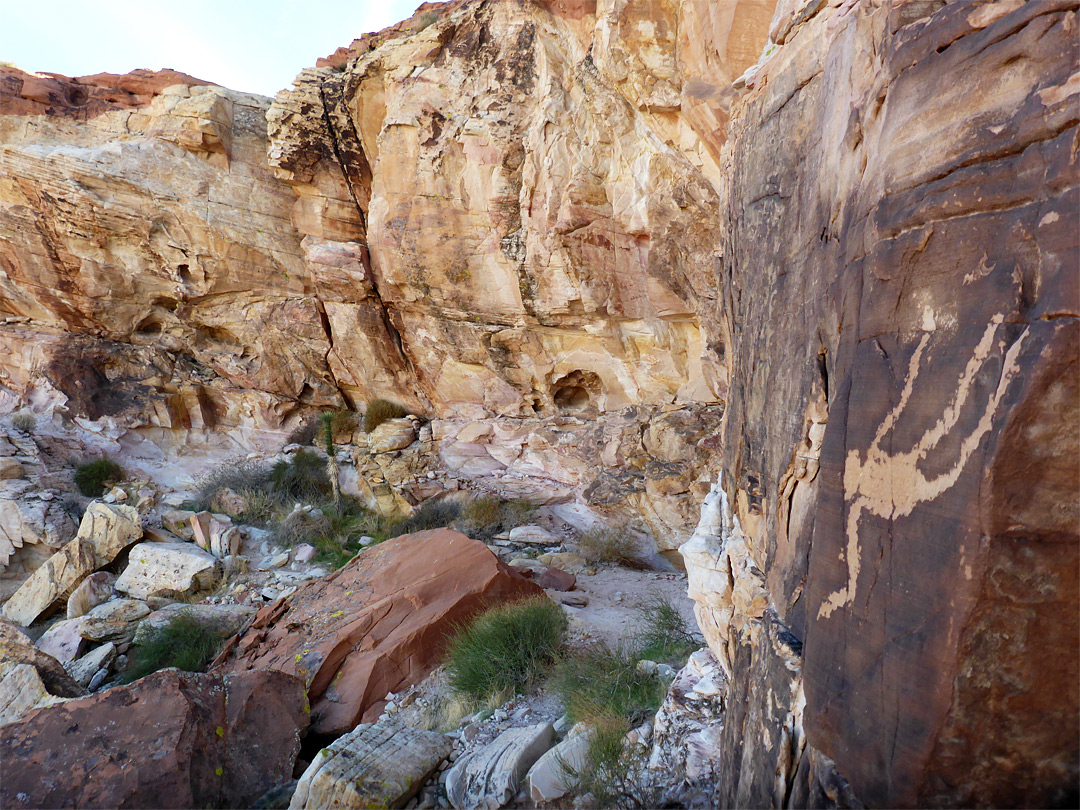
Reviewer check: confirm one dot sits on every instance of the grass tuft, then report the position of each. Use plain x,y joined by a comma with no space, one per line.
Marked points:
380,411
486,516
612,545
91,476
506,648
182,643
432,514
24,421
301,478
664,636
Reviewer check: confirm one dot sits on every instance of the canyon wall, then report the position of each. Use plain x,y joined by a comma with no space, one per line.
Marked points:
574,234
899,277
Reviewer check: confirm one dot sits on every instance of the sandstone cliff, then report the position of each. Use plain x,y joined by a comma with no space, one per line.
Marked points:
571,230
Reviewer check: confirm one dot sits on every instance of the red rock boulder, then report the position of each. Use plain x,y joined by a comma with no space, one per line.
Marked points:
377,625
172,739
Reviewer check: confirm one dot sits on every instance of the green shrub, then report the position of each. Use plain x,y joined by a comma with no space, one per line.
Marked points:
664,634
301,478
613,545
182,643
601,680
24,421
334,533
381,410
432,514
506,648
615,774
486,516
91,476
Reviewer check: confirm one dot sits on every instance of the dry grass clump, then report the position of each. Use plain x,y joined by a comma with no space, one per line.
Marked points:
614,545
380,411
486,516
24,421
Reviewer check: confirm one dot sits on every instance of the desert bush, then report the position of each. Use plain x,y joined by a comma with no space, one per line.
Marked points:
301,478
613,545
182,643
484,517
615,773
24,421
335,533
304,433
603,680
506,648
379,411
432,514
91,476
664,634
249,479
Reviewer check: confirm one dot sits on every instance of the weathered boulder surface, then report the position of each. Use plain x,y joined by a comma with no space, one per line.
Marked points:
172,739
489,777
374,765
379,624
16,648
113,621
105,531
168,569
901,292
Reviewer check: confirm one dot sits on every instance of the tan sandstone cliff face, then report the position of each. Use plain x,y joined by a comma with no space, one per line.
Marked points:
467,213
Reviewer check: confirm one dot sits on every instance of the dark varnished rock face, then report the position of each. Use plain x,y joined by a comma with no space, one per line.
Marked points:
172,739
901,264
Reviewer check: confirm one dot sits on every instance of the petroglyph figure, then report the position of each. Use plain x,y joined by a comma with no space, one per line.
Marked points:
891,486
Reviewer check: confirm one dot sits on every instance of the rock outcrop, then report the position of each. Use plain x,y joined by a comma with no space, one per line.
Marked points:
104,532
489,777
498,210
377,625
374,765
893,590
172,739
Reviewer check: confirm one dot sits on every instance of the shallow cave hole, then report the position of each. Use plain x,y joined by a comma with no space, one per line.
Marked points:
576,392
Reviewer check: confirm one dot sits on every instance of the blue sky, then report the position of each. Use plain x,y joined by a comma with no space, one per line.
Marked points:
253,45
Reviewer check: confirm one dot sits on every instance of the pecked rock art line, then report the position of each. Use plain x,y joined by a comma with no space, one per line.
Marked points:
891,486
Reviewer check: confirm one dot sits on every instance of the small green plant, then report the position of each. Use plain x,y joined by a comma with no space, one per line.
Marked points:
615,773
301,478
380,411
182,643
24,421
91,476
506,648
664,634
612,545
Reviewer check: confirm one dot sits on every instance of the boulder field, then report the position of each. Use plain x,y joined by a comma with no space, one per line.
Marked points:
809,265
